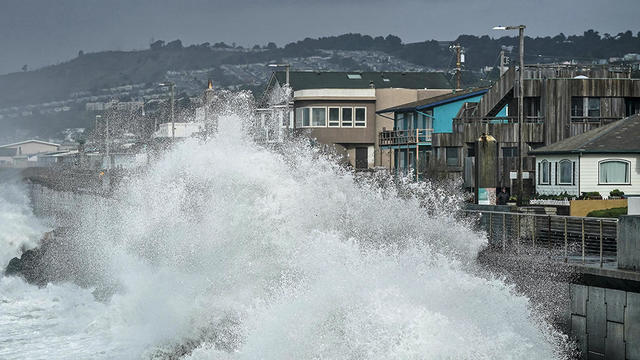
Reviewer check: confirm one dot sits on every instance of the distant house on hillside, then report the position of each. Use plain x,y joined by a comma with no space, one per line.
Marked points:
25,153
31,147
339,108
601,160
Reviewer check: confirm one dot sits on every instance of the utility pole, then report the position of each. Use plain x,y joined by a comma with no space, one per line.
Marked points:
171,86
521,112
520,29
107,143
459,61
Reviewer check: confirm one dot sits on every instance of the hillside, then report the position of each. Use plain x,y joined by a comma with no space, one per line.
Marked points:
45,101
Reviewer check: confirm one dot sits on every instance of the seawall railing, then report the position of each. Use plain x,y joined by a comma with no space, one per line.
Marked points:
574,238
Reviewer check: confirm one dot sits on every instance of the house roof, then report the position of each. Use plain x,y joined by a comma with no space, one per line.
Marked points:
619,137
28,141
435,101
7,151
302,80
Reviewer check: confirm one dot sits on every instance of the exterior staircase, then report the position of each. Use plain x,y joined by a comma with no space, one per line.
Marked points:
497,96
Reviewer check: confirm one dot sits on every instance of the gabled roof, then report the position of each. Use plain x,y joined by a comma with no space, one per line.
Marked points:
302,80
435,101
621,137
28,141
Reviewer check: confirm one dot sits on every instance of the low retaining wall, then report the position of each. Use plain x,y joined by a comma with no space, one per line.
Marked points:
605,322
583,207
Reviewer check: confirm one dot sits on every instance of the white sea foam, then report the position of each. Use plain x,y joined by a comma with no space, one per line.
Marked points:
19,228
224,250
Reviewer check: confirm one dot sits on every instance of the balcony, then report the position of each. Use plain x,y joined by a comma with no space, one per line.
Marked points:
405,137
503,128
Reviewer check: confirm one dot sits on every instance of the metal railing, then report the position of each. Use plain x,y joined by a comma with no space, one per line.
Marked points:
573,238
498,120
402,137
601,120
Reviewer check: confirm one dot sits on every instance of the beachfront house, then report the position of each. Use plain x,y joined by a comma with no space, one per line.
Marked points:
415,126
599,160
338,109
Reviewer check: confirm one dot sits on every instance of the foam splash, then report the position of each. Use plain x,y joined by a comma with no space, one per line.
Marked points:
225,250
19,228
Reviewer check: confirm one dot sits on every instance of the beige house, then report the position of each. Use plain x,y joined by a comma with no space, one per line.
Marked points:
31,147
339,108
24,153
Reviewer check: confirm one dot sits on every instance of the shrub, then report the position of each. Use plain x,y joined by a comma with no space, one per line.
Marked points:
590,195
616,192
609,213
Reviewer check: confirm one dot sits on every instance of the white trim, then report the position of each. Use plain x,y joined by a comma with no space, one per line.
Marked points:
559,175
311,116
354,116
628,176
329,116
341,117
326,94
540,176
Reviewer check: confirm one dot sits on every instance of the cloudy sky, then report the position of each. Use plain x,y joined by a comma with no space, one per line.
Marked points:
42,32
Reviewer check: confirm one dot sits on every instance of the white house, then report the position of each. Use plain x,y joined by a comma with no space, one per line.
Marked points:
601,160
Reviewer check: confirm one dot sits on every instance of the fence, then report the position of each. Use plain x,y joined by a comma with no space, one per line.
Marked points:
574,238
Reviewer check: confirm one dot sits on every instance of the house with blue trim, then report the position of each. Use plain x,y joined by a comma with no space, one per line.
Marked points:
410,143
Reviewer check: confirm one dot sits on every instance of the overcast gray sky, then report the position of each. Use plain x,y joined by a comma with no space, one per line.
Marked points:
42,32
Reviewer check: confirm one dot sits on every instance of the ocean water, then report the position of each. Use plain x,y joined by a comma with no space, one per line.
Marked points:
226,250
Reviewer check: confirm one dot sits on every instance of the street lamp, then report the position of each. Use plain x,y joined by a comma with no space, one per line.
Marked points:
286,66
520,29
173,126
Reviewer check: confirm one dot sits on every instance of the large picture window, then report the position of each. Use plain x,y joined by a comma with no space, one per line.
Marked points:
613,172
565,176
544,168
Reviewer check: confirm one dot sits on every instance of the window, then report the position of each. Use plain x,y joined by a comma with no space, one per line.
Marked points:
347,117
354,76
400,123
577,107
452,156
632,106
334,117
508,152
594,107
361,117
613,172
565,176
532,107
318,117
544,168
303,118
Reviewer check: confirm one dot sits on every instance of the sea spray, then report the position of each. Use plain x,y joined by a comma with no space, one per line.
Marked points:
225,249
20,229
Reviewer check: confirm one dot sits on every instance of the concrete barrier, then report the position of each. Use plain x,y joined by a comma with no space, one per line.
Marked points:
629,242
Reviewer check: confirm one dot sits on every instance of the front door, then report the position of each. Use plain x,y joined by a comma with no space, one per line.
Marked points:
362,155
